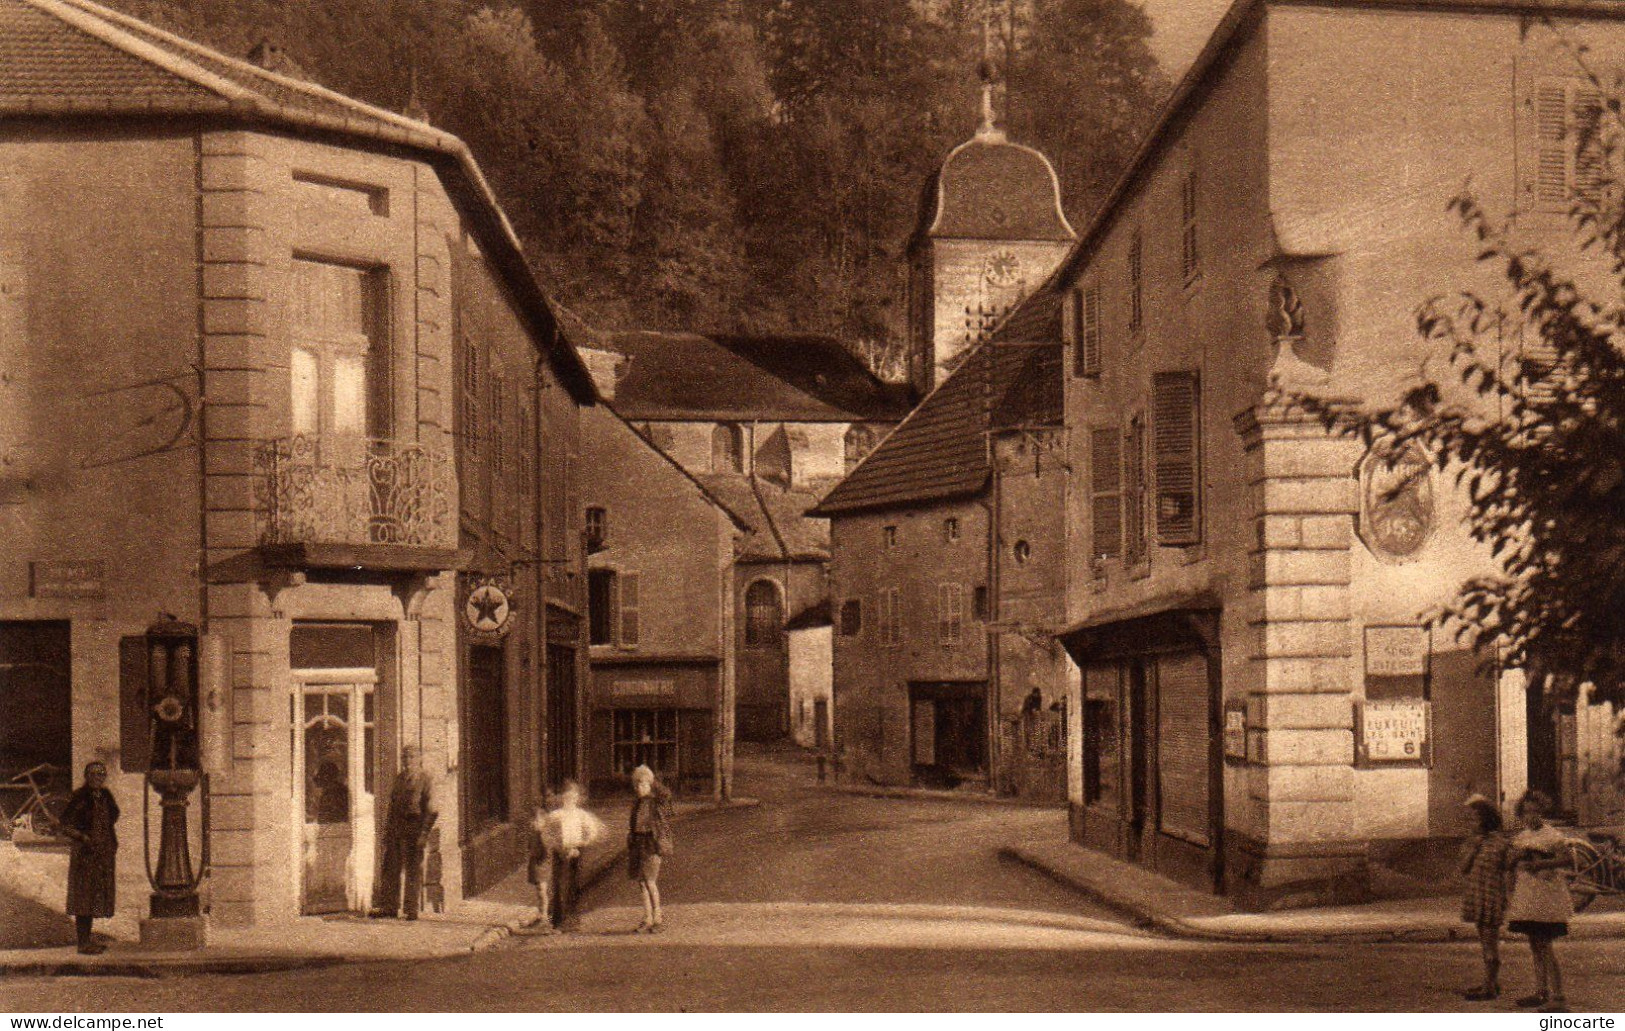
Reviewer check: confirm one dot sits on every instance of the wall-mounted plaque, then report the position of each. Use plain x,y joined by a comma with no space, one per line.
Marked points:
82,579
1396,503
1396,651
1397,730
1235,730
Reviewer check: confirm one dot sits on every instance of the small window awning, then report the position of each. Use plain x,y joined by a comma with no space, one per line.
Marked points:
1166,623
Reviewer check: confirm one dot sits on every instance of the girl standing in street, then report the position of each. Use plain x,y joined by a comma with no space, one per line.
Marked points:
1484,902
1540,907
648,841
88,821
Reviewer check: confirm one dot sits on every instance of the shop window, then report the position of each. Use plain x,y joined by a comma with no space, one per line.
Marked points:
1101,767
764,615
36,715
646,737
851,617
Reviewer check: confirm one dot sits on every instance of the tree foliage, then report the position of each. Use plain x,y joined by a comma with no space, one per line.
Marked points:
1527,412
735,165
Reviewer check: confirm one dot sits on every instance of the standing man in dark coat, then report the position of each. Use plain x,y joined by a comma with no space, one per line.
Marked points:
406,831
88,822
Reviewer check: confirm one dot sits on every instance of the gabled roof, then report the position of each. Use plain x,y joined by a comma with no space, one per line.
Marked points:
711,497
779,528
1232,29
76,58
678,376
940,452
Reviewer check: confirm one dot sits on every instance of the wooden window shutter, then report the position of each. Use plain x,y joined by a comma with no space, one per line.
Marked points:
1175,435
135,722
1089,356
1569,163
1105,493
629,587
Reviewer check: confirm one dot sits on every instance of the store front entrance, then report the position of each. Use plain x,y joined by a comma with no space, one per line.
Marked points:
950,732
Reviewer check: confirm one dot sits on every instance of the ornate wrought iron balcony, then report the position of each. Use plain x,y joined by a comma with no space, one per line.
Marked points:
355,500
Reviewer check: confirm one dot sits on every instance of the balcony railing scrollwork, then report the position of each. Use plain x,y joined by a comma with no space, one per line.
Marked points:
355,491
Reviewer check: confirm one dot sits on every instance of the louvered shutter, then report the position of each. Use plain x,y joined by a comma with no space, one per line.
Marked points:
1174,440
1089,356
1070,321
1105,493
1569,162
1136,299
1192,257
1182,746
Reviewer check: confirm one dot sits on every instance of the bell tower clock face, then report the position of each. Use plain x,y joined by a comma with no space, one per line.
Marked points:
1002,269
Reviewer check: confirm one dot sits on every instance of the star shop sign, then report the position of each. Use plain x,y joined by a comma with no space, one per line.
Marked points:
488,609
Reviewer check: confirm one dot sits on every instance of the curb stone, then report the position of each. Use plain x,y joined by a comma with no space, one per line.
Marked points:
1175,927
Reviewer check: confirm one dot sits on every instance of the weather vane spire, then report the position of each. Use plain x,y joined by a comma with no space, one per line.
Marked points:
989,72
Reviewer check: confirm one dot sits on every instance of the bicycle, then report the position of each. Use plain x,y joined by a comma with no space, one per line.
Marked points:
1597,868
35,817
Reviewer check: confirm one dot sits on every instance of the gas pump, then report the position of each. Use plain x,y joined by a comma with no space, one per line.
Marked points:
175,770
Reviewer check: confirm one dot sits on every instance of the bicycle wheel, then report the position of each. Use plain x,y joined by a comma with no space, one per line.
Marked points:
1589,870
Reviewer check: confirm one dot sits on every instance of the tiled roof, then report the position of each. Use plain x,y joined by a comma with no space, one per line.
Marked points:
940,452
779,526
790,378
74,57
991,189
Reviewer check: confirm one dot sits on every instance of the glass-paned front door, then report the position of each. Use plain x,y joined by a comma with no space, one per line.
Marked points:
334,753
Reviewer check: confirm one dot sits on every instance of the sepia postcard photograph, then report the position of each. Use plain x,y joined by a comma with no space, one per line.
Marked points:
812,506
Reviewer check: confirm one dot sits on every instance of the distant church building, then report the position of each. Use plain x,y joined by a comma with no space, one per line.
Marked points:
991,230
947,571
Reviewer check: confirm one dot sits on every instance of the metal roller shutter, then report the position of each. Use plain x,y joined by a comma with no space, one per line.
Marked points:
1182,746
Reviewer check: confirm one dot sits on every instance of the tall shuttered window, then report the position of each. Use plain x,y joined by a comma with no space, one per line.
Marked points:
1136,291
1106,493
1570,162
1134,521
1175,428
891,618
950,613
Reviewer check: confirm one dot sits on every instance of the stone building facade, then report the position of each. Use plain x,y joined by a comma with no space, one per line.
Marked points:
766,424
227,328
661,610
1262,710
948,569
